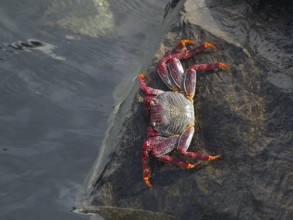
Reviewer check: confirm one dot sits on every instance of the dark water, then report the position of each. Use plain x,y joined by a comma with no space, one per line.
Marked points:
60,62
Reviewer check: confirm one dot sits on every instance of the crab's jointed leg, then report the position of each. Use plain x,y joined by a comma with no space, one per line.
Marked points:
170,68
189,53
172,160
147,90
148,101
181,46
176,72
183,145
210,66
151,132
145,167
163,72
157,145
160,146
190,84
190,77
162,68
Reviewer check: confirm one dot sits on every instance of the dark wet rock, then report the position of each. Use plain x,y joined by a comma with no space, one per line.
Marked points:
115,213
244,115
261,4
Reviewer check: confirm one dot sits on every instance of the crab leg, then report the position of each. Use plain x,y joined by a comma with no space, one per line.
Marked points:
189,53
145,167
183,145
190,77
148,101
176,72
210,66
160,146
155,144
190,83
182,45
171,160
147,90
162,68
151,132
175,69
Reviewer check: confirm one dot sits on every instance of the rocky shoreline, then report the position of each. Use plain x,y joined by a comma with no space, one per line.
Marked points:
244,115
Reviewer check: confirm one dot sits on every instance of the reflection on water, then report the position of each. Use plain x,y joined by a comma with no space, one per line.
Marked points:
60,62
31,44
87,17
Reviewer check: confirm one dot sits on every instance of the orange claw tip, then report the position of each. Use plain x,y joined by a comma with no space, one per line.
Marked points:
208,45
187,41
214,157
146,180
224,66
190,166
141,76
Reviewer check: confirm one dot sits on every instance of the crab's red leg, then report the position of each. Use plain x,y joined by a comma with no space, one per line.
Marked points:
182,45
183,145
145,157
174,65
148,101
169,159
190,83
190,77
151,132
160,146
189,53
147,90
176,72
210,66
162,70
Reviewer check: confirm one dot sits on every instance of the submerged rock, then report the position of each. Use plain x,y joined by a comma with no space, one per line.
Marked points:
244,115
92,18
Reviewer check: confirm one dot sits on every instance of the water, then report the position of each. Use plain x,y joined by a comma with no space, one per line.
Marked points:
60,62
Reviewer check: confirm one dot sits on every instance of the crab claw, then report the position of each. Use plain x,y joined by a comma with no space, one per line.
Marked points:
208,45
190,166
187,41
146,176
141,76
223,66
214,157
147,182
182,45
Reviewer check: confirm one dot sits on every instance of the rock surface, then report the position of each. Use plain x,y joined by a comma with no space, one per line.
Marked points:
244,115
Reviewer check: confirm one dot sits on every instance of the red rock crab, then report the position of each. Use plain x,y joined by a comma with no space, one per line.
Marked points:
171,113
